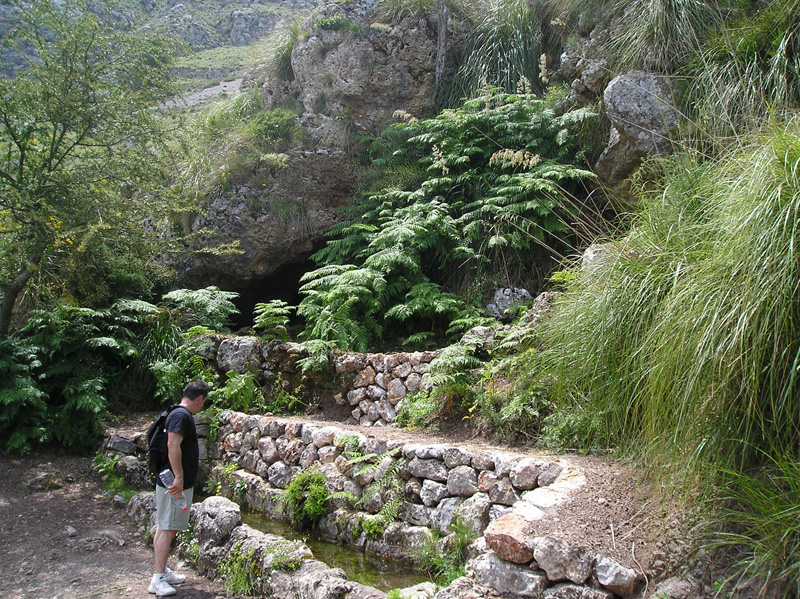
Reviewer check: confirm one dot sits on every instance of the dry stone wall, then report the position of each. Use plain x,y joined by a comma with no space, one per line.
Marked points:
371,386
376,385
497,494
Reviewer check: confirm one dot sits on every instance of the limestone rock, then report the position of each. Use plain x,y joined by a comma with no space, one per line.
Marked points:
365,378
311,186
506,298
466,588
455,456
615,577
462,481
525,472
324,436
504,577
442,516
643,118
561,562
509,537
474,512
572,591
503,492
432,493
428,468
279,475
239,354
216,519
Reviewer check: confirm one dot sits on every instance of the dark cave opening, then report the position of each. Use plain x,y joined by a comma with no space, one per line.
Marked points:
282,284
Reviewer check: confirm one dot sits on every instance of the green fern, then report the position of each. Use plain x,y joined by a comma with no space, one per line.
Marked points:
210,307
488,206
23,406
271,319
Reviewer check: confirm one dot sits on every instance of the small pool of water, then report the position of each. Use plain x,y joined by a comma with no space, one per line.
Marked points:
367,568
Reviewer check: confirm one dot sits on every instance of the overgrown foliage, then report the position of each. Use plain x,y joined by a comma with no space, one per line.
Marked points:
682,341
70,364
749,68
82,158
306,499
495,172
443,558
235,142
503,50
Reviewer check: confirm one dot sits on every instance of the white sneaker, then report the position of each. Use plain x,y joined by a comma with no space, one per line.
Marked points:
160,587
173,577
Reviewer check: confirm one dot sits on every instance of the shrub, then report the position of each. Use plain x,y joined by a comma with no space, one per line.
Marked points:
306,498
495,170
339,22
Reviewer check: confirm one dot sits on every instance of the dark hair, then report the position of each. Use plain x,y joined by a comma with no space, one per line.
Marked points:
195,389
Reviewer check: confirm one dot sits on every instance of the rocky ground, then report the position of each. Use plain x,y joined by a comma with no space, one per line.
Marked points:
64,538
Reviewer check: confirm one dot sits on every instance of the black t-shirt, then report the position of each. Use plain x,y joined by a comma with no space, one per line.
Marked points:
181,421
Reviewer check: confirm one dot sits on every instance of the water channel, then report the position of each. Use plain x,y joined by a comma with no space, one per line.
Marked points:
370,569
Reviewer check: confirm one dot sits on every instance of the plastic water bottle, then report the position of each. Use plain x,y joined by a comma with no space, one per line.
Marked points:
168,478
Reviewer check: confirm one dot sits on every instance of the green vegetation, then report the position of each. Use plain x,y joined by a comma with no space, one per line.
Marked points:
246,571
270,319
236,142
84,163
271,58
443,558
487,201
339,22
503,50
240,570
681,343
306,499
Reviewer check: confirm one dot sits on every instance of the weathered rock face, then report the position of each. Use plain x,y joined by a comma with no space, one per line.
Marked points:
643,117
245,25
279,224
354,71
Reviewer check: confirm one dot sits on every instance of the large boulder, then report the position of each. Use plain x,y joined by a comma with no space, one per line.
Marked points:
643,118
354,70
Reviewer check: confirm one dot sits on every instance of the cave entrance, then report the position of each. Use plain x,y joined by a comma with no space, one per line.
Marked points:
283,284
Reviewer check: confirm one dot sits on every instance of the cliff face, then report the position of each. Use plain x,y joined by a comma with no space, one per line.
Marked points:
355,69
350,75
278,224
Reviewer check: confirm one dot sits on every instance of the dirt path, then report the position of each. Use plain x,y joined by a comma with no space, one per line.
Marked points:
71,543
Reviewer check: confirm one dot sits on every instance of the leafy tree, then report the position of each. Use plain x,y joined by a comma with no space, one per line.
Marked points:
488,199
80,146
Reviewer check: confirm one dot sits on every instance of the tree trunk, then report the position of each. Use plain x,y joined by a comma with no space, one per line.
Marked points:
441,47
11,293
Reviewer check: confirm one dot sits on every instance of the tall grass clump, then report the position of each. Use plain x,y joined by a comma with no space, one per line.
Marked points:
748,68
684,339
662,34
235,142
272,56
503,49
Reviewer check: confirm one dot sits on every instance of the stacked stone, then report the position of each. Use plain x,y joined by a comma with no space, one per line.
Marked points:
519,562
498,494
439,482
380,384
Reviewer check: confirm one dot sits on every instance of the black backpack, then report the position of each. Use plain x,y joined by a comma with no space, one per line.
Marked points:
157,458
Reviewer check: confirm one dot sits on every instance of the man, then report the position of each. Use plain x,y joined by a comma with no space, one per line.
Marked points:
184,460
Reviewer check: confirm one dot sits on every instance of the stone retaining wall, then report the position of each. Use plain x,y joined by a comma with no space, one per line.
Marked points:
497,494
373,386
500,495
378,383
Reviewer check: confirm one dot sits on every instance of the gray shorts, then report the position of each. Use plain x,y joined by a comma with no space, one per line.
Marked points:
169,515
